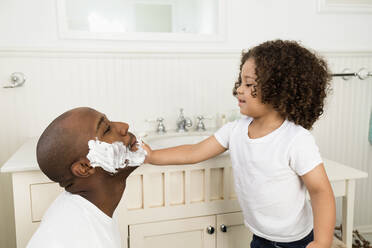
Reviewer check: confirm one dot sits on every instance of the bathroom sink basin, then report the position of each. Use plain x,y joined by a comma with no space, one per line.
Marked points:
169,140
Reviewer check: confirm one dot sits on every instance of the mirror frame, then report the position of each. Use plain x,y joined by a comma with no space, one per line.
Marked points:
66,33
342,6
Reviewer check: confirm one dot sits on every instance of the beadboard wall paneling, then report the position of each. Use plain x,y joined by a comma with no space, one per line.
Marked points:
135,86
342,131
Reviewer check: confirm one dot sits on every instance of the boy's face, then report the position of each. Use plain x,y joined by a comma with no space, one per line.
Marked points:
248,94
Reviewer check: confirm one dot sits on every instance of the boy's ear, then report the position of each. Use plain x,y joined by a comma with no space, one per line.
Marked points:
82,168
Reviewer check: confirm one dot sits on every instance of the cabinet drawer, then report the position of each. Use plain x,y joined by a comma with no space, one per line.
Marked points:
182,233
41,196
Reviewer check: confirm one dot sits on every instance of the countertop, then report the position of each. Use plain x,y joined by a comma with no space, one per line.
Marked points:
24,159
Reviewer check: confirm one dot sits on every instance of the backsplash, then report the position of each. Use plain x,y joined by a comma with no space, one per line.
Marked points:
135,86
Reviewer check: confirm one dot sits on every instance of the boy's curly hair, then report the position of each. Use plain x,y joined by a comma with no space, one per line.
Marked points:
292,79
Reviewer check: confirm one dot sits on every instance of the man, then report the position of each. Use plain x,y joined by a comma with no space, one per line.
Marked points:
83,216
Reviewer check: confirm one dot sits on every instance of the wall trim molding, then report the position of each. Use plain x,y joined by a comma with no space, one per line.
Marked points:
117,52
351,6
364,228
105,50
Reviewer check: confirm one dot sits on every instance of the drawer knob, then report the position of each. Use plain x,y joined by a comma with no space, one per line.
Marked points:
210,229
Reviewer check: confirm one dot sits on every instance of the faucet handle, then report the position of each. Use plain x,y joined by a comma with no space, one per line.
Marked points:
200,126
161,128
200,117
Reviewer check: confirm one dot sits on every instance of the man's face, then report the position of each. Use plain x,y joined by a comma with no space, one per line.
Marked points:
109,131
90,124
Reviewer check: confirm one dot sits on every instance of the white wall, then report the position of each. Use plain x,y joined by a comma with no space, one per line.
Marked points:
132,86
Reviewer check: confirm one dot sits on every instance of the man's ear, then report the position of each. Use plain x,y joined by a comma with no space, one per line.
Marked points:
82,168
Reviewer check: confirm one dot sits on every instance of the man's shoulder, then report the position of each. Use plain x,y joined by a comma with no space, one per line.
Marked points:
64,203
64,214
61,223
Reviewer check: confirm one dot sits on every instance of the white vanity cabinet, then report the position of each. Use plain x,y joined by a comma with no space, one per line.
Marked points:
165,206
33,193
215,231
183,206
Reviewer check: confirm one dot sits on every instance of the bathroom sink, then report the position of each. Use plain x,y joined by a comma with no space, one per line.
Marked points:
169,140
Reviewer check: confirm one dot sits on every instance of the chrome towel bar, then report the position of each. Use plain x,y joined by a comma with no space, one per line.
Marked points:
346,74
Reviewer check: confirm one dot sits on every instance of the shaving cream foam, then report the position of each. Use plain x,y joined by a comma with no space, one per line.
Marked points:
112,157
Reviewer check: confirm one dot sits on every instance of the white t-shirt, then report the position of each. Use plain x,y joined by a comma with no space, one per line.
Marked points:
267,174
74,222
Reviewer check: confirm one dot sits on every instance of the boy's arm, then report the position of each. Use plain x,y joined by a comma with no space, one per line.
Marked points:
323,205
185,154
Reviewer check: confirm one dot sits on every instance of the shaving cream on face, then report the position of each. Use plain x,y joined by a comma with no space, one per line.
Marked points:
112,157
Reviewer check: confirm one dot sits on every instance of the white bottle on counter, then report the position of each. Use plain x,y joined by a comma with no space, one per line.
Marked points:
223,120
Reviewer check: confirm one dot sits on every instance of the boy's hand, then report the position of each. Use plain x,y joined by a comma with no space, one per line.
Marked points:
149,151
184,154
315,244
312,245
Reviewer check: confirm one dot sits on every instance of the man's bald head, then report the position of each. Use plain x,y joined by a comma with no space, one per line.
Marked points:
64,142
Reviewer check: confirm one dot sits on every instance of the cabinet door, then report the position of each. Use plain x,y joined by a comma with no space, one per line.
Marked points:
183,233
231,231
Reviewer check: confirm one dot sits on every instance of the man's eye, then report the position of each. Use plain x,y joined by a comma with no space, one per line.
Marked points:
107,130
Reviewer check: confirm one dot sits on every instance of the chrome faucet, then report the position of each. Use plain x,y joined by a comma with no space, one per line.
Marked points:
200,125
183,122
160,128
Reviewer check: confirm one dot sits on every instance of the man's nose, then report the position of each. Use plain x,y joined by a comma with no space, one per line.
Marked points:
122,128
